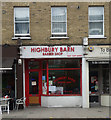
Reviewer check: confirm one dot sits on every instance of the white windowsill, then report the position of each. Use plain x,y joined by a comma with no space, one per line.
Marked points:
59,37
97,37
22,38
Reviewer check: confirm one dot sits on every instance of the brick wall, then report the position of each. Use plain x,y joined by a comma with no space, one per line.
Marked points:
40,22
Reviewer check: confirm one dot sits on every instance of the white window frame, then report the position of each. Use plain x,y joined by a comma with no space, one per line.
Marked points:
22,22
63,33
96,36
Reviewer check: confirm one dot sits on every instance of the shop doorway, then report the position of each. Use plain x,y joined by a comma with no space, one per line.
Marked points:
34,87
94,93
98,81
33,82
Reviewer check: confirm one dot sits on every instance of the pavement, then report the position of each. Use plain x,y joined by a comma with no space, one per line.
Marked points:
34,112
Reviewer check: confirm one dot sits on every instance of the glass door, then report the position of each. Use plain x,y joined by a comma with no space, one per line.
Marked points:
34,88
94,92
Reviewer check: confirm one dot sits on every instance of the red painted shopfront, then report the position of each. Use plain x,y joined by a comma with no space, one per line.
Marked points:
52,71
52,77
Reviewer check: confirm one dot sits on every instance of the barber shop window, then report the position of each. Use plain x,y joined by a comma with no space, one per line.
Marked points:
21,21
96,21
64,77
59,21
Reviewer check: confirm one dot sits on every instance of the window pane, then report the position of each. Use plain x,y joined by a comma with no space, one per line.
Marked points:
44,64
21,14
96,28
44,82
96,13
33,64
65,63
58,27
21,28
64,82
59,14
105,78
33,83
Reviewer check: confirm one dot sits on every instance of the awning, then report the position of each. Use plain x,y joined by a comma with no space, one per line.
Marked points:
98,59
7,63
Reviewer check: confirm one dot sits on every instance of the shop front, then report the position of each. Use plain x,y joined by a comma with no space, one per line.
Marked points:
52,75
99,75
63,76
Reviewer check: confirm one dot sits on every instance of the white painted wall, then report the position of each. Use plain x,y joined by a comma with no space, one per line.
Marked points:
61,101
44,101
24,79
85,83
105,100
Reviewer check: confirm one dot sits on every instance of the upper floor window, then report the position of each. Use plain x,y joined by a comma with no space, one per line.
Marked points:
59,21
96,21
21,21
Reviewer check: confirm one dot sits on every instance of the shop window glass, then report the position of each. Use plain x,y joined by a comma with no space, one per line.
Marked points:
64,63
44,64
64,82
93,83
106,81
44,82
99,77
33,83
59,81
33,64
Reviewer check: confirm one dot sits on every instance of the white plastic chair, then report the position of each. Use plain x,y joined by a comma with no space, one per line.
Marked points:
4,106
20,101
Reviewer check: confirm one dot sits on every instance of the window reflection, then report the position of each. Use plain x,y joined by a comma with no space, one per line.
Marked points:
21,16
64,82
64,63
33,64
44,82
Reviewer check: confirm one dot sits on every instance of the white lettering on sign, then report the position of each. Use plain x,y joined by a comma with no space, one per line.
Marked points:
51,51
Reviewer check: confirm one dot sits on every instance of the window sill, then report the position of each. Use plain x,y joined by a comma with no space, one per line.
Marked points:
53,38
22,38
97,37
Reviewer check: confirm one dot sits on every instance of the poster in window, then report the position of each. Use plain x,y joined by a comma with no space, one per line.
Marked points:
52,88
59,90
50,83
43,79
93,79
33,83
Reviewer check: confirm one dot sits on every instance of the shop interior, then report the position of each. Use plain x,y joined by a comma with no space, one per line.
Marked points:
8,82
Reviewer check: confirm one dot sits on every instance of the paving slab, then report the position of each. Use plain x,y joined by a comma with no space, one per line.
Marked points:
50,113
